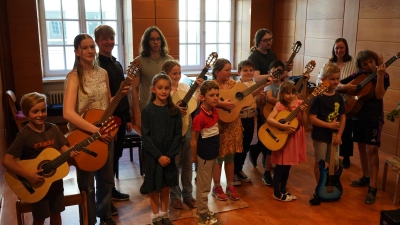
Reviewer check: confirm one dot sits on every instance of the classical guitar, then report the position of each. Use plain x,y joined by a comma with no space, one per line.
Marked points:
54,165
267,109
365,90
295,49
242,96
93,162
274,138
185,99
329,187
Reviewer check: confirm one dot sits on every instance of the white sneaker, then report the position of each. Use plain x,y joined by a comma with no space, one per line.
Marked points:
243,177
236,180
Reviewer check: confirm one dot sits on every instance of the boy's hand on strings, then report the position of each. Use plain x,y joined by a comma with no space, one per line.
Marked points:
335,125
350,89
35,177
381,70
164,161
74,153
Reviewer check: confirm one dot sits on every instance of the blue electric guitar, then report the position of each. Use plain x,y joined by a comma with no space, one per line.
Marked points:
329,187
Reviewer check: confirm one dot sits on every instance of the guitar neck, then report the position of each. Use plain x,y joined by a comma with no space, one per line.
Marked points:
332,155
194,86
58,161
115,101
299,83
374,74
294,113
290,60
255,87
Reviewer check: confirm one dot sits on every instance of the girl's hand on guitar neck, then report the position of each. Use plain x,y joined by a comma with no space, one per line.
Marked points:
287,127
35,177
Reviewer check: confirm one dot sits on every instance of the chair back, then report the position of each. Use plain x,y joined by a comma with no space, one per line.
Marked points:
17,115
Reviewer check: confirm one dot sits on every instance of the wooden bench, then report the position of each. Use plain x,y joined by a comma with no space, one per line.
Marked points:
395,163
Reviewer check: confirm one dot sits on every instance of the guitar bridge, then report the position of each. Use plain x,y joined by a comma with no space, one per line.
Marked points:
25,183
89,152
276,139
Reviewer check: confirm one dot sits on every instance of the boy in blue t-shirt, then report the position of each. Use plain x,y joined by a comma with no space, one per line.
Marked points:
205,149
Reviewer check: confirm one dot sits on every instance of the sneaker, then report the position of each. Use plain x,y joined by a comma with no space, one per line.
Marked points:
371,195
346,162
294,197
283,198
236,180
219,193
118,196
232,193
114,210
211,214
177,203
205,219
165,220
315,200
243,177
267,178
361,182
191,202
108,221
157,221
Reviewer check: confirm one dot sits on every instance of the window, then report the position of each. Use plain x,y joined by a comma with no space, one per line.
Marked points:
204,26
62,20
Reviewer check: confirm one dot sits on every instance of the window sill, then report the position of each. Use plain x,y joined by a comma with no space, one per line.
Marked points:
55,79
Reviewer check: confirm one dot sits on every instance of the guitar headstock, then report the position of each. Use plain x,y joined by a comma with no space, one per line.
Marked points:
296,46
211,59
310,66
132,69
277,74
322,87
109,125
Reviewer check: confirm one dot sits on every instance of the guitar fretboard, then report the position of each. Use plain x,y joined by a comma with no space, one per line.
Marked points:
374,74
276,74
194,86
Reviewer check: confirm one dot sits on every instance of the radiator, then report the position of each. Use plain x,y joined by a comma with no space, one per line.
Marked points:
55,97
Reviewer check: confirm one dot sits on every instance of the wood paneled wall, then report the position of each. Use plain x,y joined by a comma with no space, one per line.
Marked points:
161,13
366,24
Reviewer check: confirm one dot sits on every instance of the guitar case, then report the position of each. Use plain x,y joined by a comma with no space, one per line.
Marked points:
390,217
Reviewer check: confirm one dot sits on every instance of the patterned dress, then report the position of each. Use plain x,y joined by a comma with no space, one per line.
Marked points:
231,134
295,148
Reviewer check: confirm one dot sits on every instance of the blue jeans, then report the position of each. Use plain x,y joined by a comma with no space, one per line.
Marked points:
183,159
101,205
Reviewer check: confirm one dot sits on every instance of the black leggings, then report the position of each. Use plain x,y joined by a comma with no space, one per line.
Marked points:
281,176
346,148
248,131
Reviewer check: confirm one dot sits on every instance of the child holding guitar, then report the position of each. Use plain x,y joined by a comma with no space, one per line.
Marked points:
368,121
87,87
36,136
173,70
294,150
161,136
327,114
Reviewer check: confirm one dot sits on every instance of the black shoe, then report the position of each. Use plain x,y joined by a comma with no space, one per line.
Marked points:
118,196
142,190
114,210
267,178
371,195
108,221
157,221
361,182
315,200
253,154
346,162
165,220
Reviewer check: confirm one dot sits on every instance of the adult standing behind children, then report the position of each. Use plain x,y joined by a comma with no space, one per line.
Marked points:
153,54
87,88
104,37
35,137
347,65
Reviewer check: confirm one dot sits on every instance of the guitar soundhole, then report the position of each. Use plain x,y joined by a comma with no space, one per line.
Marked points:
46,173
282,121
239,96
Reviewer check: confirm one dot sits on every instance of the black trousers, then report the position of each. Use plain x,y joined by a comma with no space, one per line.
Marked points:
346,148
119,143
248,131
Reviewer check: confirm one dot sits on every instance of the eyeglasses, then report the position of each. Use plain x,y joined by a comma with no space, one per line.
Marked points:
268,40
155,39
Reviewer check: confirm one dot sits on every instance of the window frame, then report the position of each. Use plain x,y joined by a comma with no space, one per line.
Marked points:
47,73
203,53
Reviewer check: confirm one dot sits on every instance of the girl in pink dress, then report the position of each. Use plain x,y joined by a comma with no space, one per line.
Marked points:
295,149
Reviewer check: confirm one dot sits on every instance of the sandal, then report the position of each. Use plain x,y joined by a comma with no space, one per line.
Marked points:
177,204
191,202
283,198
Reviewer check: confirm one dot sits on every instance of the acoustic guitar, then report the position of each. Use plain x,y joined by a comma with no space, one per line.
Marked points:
53,164
295,49
93,162
274,138
329,187
267,109
364,92
242,96
185,99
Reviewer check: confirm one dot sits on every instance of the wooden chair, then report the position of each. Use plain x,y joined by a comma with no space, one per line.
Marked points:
19,118
76,199
133,139
395,163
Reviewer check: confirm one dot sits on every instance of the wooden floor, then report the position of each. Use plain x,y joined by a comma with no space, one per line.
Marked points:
263,209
